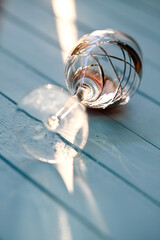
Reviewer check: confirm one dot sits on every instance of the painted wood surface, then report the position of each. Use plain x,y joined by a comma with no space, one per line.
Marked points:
116,176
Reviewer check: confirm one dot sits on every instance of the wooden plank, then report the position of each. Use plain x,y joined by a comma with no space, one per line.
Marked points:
108,18
108,141
28,212
113,198
150,7
45,23
27,52
154,5
98,196
43,56
135,12
142,19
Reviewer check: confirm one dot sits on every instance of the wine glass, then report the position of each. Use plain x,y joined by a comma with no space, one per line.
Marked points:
104,69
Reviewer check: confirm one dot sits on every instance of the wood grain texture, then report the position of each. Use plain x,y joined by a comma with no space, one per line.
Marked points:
14,38
28,212
43,22
116,176
107,139
104,15
99,197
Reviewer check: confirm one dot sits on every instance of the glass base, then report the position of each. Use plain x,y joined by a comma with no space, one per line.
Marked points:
48,120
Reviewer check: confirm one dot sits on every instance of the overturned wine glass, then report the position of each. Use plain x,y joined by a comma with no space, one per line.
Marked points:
104,69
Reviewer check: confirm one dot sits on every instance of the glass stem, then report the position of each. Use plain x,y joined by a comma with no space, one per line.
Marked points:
64,111
71,104
54,120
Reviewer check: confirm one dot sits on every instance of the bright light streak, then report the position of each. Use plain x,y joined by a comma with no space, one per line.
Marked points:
65,12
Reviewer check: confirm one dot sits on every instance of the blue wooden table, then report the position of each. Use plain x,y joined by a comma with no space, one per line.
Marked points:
111,189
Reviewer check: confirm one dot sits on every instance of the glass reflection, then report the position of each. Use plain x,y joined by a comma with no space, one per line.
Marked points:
44,142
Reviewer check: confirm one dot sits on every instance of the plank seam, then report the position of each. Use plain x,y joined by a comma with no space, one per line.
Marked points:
124,180
26,65
52,42
93,228
49,11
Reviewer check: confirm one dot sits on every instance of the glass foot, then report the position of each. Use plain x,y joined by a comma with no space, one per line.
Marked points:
48,120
